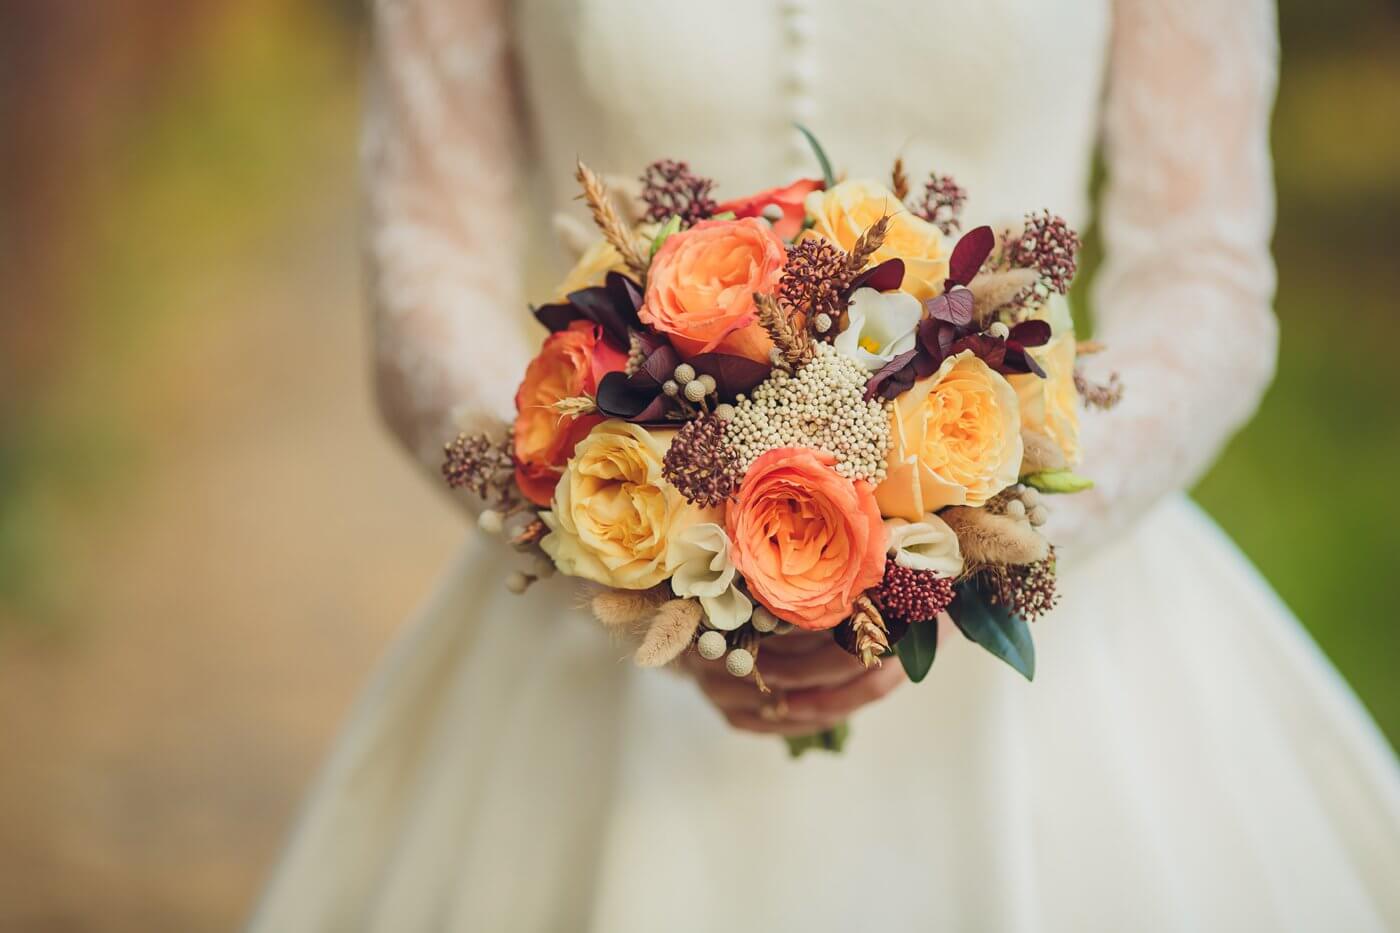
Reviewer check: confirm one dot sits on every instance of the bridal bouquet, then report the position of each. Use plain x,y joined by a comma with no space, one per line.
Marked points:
809,408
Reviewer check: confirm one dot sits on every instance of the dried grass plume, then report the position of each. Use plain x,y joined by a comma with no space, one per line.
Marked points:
671,632
621,610
989,539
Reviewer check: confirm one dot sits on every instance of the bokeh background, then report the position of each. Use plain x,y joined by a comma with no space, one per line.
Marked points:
205,538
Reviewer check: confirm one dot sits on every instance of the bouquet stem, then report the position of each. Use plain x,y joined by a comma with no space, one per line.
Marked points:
828,740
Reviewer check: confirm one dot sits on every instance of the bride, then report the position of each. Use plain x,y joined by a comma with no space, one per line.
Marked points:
1186,760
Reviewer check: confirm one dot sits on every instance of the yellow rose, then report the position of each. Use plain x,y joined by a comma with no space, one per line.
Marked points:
955,440
1051,405
591,269
843,213
613,516
599,259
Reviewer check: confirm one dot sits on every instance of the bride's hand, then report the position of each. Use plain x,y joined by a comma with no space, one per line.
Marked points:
815,685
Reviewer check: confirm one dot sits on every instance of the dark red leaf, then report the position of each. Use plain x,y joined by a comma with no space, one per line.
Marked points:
556,317
925,365
953,306
1031,333
612,306
891,372
886,277
972,250
618,397
658,366
1019,361
732,374
991,350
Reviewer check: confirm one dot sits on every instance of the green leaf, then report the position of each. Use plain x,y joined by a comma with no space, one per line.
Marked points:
1000,631
827,174
1058,481
672,225
828,740
917,648
727,215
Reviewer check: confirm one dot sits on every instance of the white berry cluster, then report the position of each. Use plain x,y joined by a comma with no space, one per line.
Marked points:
822,406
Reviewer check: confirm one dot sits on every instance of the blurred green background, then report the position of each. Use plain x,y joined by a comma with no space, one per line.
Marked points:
187,601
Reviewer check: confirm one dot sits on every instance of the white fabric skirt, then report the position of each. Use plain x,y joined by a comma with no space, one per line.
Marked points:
1186,760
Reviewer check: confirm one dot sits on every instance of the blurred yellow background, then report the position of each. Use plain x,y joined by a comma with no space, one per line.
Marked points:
205,538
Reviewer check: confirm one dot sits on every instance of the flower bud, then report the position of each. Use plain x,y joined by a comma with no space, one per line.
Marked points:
490,521
712,646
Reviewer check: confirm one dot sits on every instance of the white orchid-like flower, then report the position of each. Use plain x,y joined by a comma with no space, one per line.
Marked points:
880,326
702,569
927,545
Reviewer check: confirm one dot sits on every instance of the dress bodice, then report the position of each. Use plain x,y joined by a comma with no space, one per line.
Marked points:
1003,95
480,107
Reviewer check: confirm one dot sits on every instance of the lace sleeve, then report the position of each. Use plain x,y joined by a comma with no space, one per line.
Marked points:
439,157
1184,296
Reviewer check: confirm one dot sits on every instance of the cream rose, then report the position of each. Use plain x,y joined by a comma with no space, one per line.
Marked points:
843,213
929,544
955,440
613,515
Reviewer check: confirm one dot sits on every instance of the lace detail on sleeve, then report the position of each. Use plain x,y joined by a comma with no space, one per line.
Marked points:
1184,297
442,242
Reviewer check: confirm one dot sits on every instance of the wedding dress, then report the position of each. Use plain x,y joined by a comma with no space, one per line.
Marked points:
1185,760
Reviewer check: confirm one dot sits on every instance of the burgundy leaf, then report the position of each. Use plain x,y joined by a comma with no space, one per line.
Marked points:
732,374
953,306
1031,333
556,317
618,397
1018,361
886,277
972,250
612,306
890,371
991,350
925,365
658,366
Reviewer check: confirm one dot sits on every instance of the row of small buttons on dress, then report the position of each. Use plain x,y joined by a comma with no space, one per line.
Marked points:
799,78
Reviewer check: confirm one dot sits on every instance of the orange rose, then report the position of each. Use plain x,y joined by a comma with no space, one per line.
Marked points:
570,363
807,540
789,200
701,285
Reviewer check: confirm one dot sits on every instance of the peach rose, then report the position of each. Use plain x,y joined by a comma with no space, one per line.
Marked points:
806,539
843,213
789,200
701,285
570,363
955,439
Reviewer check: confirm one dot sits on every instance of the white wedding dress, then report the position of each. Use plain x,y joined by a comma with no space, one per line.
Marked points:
1185,760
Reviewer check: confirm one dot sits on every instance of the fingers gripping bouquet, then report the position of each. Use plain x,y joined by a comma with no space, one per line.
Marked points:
802,409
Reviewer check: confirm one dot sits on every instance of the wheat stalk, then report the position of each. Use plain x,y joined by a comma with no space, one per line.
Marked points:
793,343
872,637
605,215
866,246
898,180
